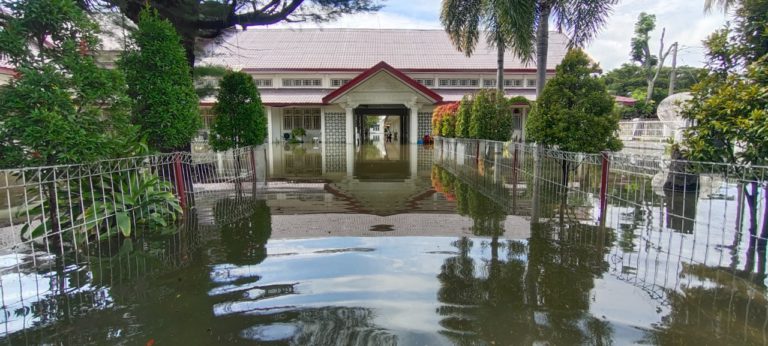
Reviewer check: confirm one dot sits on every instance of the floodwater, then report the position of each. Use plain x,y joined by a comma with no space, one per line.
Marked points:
386,244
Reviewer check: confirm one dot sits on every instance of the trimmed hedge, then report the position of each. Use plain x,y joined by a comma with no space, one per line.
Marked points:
485,115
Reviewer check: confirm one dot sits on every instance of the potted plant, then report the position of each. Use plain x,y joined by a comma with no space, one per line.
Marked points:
298,133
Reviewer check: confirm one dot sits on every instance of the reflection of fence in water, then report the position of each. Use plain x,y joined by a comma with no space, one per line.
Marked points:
661,234
37,281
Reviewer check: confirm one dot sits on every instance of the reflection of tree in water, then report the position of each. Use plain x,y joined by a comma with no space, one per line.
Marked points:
545,298
245,225
321,326
720,310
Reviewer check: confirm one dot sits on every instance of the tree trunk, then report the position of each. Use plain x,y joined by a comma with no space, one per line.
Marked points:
500,64
542,45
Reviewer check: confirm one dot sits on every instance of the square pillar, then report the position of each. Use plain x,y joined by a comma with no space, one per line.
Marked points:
413,128
350,130
270,137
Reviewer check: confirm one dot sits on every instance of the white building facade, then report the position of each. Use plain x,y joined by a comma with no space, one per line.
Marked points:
327,80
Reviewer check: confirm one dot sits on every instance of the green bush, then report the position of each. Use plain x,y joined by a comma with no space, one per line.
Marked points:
159,80
491,116
463,116
575,112
240,119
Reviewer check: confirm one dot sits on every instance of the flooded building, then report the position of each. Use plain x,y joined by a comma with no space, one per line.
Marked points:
327,81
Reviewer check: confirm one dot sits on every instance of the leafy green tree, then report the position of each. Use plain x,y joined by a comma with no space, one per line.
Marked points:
491,116
507,25
62,108
629,80
463,117
578,18
729,108
240,119
159,80
575,112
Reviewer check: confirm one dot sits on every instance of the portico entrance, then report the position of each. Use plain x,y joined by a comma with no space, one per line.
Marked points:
363,111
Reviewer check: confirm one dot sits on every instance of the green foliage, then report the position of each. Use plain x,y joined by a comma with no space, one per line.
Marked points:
107,206
575,113
730,106
240,118
298,132
62,108
630,80
507,25
463,117
160,82
639,45
491,116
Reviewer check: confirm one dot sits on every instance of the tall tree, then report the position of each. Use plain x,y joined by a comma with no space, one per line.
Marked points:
574,103
240,119
508,25
166,105
578,18
641,51
729,108
195,19
62,108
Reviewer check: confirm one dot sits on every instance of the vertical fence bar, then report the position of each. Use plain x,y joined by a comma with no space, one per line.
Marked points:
253,165
179,177
604,186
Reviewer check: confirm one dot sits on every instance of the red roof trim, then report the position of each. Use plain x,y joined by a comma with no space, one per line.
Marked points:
407,70
382,66
272,104
8,71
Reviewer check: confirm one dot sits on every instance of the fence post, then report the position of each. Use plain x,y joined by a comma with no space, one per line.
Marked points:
253,165
604,186
514,178
179,178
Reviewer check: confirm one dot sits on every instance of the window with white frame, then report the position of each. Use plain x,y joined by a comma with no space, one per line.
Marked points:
306,118
513,83
263,83
489,83
426,82
292,82
337,82
459,82
531,83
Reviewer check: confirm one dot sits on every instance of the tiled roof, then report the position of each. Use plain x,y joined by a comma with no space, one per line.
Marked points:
359,49
283,97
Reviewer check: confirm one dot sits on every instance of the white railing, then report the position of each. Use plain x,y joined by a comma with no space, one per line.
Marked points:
648,130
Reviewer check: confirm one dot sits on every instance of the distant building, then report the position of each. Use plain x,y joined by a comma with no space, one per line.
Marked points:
327,80
625,101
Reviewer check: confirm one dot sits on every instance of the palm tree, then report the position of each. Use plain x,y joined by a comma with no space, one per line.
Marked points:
506,24
580,19
725,5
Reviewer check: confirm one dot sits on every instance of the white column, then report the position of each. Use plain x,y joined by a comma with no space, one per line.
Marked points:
414,160
322,124
270,138
271,159
414,125
350,136
350,151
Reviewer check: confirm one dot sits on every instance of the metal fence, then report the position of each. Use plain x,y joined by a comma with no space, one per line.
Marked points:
680,230
706,213
42,207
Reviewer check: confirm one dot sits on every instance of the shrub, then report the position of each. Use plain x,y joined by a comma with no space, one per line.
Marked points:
444,120
463,115
240,119
166,105
491,116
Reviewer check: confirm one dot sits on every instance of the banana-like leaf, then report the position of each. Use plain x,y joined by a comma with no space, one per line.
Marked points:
123,223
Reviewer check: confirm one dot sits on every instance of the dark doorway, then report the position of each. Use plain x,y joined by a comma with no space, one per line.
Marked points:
381,110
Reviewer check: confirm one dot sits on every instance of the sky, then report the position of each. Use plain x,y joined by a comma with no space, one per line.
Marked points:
684,20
